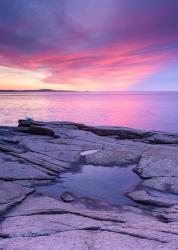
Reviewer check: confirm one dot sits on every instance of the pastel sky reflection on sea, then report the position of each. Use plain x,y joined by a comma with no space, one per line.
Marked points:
144,111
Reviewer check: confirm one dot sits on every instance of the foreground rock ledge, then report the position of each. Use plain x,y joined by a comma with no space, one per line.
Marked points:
37,152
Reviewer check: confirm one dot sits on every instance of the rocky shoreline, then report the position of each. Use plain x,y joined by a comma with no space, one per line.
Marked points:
36,153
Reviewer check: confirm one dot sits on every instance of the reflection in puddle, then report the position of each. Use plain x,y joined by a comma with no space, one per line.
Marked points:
96,182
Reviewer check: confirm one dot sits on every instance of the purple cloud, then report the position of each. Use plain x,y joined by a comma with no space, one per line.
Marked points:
64,36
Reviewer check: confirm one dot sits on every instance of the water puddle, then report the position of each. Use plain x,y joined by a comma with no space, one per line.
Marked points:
108,184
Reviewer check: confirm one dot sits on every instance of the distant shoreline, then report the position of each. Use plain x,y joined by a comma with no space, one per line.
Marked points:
37,90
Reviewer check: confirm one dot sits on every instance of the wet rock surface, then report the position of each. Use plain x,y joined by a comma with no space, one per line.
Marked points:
37,153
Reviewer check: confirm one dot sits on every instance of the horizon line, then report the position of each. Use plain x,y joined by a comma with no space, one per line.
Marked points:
81,91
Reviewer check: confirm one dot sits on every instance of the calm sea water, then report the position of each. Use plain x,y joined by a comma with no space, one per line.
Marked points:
156,111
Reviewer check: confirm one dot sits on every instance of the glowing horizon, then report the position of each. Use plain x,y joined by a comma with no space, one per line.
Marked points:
99,45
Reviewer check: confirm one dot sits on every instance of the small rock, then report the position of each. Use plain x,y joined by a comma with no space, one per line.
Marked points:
67,197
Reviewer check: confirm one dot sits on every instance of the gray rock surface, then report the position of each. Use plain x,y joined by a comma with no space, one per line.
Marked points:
37,152
11,194
153,198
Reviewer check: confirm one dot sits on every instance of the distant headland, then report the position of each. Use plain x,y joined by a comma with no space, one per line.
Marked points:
36,90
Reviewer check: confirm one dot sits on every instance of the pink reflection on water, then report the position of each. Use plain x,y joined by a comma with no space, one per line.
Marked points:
144,111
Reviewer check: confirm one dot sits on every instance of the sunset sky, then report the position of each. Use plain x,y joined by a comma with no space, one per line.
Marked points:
89,44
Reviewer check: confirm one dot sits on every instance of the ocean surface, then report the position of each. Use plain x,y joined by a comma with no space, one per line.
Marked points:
150,111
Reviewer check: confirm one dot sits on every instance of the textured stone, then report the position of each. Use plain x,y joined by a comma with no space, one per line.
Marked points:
16,169
153,198
11,194
83,240
112,157
37,152
159,165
